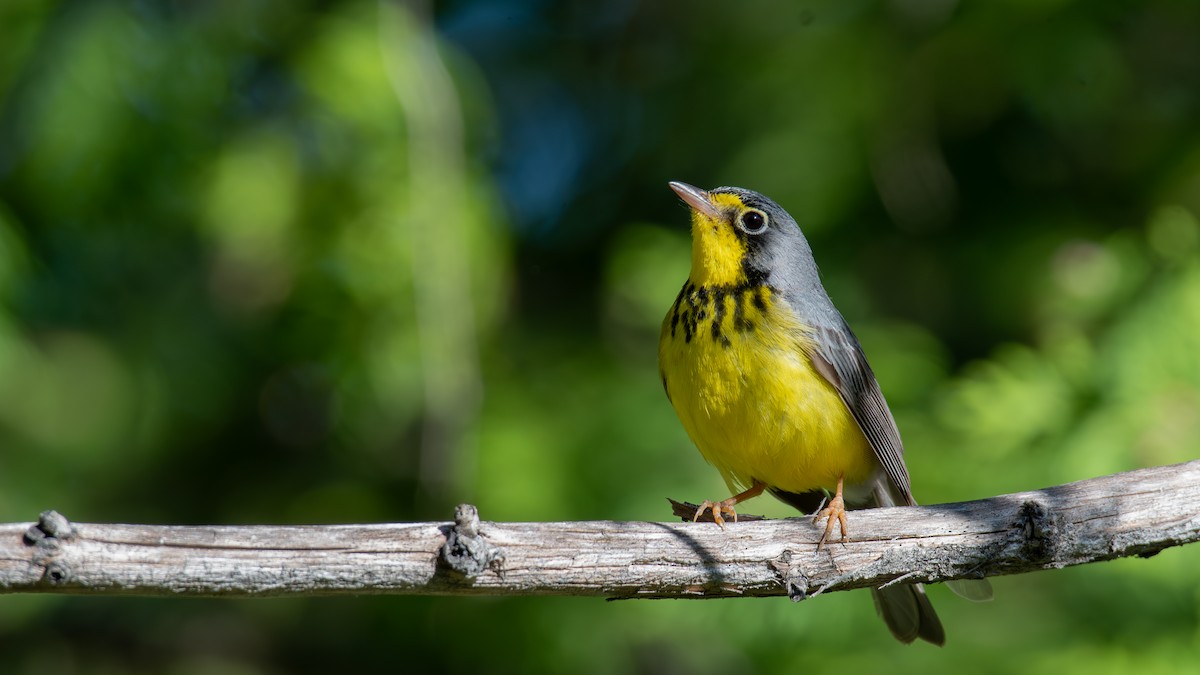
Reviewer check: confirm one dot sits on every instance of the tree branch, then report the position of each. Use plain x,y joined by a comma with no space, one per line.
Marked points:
1136,513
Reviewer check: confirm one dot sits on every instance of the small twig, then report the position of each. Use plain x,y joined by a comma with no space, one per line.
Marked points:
897,580
686,511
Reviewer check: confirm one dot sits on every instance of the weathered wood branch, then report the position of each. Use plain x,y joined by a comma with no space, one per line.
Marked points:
1135,513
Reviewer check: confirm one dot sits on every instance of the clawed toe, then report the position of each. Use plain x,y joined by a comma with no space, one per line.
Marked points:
834,512
719,511
725,507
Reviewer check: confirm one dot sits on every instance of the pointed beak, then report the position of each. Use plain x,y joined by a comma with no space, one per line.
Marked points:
696,198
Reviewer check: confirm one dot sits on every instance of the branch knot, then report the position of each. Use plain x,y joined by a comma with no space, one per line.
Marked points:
1040,530
47,535
794,580
465,550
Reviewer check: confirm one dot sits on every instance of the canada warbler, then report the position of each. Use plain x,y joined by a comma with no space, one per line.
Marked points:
773,387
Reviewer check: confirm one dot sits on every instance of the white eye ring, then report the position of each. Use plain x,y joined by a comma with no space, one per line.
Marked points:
753,221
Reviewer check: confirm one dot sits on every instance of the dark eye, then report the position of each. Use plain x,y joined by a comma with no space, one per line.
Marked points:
753,221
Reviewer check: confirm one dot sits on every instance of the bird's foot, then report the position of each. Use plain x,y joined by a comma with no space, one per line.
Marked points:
719,510
834,512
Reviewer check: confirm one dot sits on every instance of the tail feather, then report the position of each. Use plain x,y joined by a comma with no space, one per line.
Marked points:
908,613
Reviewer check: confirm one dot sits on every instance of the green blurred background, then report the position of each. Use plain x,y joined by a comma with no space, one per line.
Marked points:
299,262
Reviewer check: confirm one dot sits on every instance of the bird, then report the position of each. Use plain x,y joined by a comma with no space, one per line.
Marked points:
773,387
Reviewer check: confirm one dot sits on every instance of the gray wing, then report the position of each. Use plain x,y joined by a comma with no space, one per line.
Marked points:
840,360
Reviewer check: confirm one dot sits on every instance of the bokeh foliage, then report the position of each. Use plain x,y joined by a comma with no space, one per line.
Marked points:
287,262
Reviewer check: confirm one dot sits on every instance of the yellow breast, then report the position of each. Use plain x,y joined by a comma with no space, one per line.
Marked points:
735,367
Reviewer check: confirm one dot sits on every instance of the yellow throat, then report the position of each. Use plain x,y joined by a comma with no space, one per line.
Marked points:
717,251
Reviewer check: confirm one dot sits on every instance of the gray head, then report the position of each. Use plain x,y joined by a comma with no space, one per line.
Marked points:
740,237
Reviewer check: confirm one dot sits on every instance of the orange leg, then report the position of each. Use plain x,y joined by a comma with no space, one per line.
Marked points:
834,512
726,506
